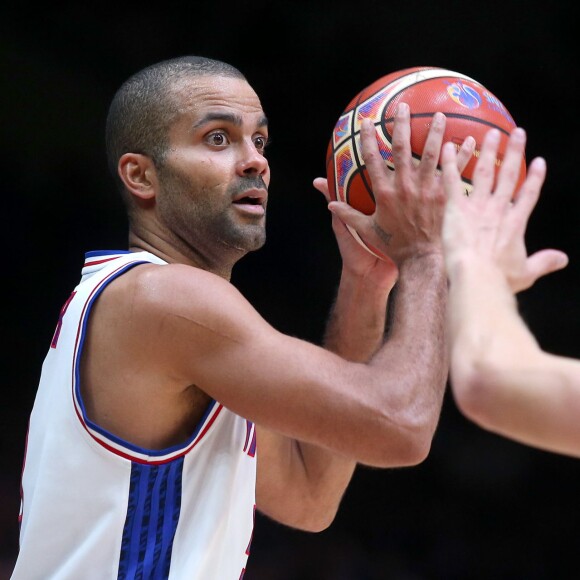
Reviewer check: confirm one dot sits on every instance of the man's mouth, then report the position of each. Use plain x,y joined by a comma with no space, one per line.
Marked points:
252,201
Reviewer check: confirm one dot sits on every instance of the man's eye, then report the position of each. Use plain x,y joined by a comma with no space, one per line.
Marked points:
217,139
261,142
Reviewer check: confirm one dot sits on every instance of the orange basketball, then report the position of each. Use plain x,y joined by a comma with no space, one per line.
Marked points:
469,107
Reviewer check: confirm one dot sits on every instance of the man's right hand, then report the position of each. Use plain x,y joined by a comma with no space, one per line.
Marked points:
409,200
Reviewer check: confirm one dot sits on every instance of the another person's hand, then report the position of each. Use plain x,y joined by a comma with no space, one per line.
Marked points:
490,223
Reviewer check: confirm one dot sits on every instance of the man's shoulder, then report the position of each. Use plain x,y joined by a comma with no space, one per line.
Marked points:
169,287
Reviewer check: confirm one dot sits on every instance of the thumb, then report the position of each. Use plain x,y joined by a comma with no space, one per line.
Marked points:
321,184
348,214
545,262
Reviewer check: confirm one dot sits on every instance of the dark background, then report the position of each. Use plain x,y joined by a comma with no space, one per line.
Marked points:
480,507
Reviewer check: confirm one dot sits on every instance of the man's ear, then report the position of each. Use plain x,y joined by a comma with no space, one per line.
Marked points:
138,174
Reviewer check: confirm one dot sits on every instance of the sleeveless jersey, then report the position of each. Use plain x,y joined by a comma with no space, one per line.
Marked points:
95,507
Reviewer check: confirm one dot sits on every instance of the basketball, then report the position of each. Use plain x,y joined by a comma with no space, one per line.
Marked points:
470,109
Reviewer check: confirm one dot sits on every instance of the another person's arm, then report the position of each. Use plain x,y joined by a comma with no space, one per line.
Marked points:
500,376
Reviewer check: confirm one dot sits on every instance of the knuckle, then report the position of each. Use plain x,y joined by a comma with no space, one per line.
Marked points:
398,148
371,155
428,156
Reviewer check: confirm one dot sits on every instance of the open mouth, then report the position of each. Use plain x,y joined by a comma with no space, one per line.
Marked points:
249,200
253,200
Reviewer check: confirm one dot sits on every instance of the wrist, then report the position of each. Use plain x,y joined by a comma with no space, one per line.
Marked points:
379,278
472,269
431,258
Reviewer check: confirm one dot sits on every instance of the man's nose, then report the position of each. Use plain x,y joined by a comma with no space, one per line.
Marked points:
252,161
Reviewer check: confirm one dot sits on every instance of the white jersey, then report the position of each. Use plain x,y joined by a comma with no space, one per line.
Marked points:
95,507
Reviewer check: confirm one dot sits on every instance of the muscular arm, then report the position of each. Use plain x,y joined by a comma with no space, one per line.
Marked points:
206,334
312,479
301,484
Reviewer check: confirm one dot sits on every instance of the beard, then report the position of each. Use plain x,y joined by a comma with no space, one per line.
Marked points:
202,216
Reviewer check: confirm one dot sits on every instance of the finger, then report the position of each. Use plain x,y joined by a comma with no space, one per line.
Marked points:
530,190
372,157
545,262
484,172
321,184
346,212
509,172
465,153
450,172
348,215
432,147
339,227
401,146
361,227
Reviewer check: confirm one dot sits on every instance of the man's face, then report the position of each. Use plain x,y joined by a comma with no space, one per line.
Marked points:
213,182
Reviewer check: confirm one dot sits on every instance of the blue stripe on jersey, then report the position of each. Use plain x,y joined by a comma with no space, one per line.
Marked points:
94,253
152,515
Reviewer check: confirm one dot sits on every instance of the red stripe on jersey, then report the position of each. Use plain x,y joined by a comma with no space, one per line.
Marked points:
149,461
96,262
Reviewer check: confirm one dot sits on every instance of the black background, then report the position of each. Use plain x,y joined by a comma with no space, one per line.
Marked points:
480,507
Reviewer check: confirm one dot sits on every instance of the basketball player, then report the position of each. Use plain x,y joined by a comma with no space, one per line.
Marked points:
500,377
168,409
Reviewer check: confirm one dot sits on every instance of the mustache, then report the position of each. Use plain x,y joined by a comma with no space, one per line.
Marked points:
245,183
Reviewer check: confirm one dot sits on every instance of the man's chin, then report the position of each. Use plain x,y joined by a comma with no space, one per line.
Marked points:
249,242
256,243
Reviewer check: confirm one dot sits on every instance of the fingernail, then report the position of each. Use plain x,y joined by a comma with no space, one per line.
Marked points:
519,133
402,108
438,119
539,163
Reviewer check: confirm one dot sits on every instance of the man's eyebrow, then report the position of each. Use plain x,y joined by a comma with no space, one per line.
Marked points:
230,118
